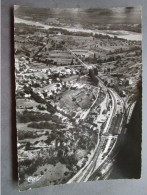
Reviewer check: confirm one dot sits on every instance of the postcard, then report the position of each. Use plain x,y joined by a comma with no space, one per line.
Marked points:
78,94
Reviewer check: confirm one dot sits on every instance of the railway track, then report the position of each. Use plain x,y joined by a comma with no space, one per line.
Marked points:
88,170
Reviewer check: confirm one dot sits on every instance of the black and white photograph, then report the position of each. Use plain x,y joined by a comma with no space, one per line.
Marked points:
78,87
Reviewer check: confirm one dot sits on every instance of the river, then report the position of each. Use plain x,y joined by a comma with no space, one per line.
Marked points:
128,35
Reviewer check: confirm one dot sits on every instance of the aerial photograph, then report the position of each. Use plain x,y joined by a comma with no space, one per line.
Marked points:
78,86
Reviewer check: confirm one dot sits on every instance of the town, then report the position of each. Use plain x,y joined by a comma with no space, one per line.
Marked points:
75,94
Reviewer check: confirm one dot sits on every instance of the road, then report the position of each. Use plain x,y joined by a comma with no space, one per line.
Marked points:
104,149
130,111
106,142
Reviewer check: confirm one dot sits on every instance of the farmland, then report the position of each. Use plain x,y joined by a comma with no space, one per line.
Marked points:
74,92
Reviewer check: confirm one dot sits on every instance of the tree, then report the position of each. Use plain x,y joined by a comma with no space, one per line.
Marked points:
94,55
95,71
28,145
71,62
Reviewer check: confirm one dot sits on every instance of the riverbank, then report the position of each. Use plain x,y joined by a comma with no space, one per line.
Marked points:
128,35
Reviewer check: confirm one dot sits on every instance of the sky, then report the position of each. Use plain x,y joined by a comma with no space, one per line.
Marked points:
124,15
